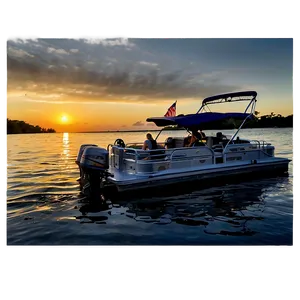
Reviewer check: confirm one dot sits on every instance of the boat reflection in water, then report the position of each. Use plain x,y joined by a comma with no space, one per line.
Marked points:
231,210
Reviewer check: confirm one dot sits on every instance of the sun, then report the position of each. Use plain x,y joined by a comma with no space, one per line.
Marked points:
64,119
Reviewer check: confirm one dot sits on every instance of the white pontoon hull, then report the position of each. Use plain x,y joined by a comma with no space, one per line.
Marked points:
213,173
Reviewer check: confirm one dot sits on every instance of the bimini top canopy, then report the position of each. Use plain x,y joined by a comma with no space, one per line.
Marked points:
196,120
236,96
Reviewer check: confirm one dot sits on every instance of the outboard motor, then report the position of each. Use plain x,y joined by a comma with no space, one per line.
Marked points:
77,161
82,147
94,164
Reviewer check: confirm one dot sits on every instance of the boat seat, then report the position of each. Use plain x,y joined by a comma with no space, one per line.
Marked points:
224,142
218,148
238,141
209,141
198,144
216,140
179,142
157,154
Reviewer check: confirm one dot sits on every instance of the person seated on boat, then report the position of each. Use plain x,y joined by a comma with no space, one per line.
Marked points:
200,135
220,139
150,143
196,139
221,136
169,143
193,139
186,141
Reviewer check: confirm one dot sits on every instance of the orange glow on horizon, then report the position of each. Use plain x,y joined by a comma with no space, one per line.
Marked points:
102,116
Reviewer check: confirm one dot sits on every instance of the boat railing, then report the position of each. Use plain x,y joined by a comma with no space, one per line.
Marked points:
138,154
261,144
173,155
160,153
139,145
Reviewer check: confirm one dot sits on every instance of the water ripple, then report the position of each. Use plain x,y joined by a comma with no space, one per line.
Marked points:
44,206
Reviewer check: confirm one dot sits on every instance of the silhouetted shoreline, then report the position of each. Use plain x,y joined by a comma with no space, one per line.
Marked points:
21,127
266,121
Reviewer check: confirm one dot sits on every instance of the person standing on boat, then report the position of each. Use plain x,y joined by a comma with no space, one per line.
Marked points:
150,143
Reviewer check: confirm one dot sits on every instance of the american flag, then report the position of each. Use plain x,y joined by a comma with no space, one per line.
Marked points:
171,112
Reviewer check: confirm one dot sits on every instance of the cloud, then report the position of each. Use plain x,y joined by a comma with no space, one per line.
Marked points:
138,123
18,52
57,51
146,63
110,42
121,83
102,70
110,59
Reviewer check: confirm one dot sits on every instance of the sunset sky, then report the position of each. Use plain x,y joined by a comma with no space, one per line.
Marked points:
115,84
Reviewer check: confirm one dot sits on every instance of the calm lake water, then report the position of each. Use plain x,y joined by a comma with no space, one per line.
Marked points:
44,206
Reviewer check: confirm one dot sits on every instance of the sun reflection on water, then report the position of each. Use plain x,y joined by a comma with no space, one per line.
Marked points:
66,144
65,154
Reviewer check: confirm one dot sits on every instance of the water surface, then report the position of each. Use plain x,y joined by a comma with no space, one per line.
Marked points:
44,206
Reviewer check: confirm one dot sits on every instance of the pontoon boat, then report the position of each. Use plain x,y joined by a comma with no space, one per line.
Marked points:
126,167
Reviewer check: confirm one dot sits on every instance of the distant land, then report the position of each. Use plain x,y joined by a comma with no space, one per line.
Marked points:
16,126
266,121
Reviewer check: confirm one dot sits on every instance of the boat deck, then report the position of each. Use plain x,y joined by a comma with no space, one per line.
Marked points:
122,179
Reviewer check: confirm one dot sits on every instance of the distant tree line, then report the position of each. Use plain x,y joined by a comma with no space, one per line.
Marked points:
16,126
266,121
272,120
